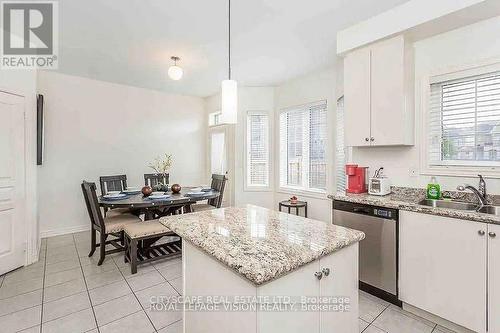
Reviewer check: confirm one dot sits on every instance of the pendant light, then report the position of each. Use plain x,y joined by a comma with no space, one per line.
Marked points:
229,87
175,72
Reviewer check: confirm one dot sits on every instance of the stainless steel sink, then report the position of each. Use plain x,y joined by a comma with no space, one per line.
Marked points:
449,204
493,210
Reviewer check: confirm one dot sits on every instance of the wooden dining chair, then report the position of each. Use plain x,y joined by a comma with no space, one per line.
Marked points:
106,226
218,184
113,183
152,179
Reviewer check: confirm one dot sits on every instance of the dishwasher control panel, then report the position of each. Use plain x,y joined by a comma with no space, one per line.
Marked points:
385,213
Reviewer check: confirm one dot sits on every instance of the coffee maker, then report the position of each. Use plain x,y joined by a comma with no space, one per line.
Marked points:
356,178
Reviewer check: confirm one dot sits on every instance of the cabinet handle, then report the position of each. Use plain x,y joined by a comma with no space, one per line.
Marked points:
318,275
481,232
372,139
492,234
366,139
326,271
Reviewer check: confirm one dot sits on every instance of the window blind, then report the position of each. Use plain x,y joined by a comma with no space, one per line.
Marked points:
340,149
257,149
464,121
303,136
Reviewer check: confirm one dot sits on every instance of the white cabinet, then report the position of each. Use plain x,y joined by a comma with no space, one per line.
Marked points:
378,86
205,276
342,280
339,278
443,267
494,278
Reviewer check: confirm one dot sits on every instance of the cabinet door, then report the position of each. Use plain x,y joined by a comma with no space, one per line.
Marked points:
296,284
443,267
342,281
357,98
387,93
494,278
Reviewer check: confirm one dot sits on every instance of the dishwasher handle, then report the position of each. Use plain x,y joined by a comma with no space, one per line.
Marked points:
362,210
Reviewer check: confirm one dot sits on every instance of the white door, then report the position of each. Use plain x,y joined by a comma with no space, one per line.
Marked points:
220,157
12,182
341,280
357,98
442,265
387,93
494,277
301,282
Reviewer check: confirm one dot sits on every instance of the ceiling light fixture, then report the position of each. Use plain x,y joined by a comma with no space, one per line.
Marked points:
175,72
229,87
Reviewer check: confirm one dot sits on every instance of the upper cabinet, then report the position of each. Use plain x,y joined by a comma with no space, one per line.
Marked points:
378,87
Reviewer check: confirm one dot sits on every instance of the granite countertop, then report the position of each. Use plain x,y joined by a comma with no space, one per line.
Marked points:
258,243
408,198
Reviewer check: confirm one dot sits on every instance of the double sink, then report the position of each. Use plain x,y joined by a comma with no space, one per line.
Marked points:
460,205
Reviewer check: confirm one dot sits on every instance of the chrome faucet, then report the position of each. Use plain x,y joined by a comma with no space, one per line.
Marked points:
480,194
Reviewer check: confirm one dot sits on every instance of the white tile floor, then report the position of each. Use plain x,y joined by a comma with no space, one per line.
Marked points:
67,292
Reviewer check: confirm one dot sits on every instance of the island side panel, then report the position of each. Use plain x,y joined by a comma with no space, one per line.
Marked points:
301,282
342,281
205,276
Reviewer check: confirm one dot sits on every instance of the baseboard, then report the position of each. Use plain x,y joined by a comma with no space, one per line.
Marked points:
64,231
435,319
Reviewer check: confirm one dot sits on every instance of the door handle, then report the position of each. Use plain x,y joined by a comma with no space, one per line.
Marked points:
481,232
492,234
326,271
318,275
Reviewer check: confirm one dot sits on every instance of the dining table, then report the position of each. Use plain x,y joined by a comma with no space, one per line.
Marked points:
151,208
154,208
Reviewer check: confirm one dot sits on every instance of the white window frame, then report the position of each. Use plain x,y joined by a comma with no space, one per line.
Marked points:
452,168
306,191
247,187
214,118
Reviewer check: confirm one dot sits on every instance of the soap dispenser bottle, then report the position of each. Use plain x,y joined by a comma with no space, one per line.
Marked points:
433,189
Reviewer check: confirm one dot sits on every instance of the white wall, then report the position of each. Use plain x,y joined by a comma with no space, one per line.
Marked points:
95,128
459,47
310,88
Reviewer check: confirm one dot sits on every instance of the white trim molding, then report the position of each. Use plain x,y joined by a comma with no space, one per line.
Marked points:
64,231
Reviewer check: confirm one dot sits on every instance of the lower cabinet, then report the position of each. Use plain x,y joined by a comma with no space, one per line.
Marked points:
494,278
339,277
443,268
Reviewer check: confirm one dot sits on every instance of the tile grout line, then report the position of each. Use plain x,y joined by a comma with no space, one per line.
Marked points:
133,293
86,286
175,291
43,286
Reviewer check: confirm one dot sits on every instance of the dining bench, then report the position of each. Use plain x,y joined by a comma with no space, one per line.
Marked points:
142,243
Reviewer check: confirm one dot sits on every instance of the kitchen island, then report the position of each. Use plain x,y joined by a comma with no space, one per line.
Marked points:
252,269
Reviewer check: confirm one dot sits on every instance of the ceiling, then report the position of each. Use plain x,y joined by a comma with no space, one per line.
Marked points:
130,41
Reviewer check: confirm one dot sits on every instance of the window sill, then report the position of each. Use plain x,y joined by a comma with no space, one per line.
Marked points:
461,171
257,189
308,194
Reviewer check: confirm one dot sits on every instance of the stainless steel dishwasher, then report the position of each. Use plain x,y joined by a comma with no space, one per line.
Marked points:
378,252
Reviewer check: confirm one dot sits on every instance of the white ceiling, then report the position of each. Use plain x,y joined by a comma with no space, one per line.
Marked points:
131,41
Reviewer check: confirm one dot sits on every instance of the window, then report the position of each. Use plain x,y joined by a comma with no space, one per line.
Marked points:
340,149
214,118
464,121
257,149
303,147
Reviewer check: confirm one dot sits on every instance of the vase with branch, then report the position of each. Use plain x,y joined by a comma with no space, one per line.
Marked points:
161,167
